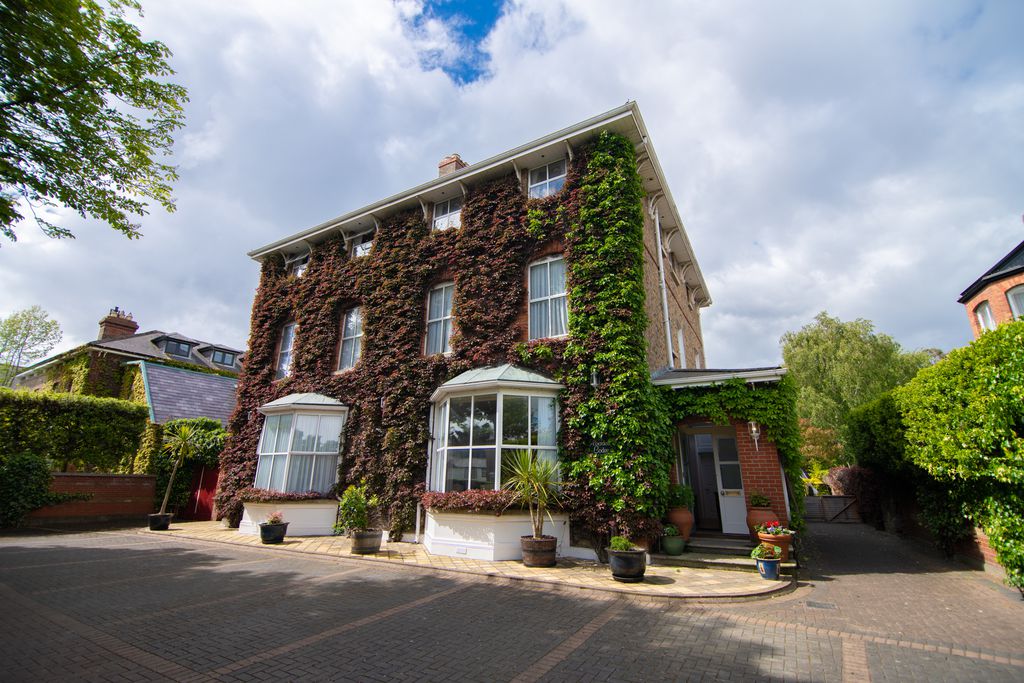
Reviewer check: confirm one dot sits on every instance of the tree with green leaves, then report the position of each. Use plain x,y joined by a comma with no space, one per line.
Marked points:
85,114
25,337
840,365
182,441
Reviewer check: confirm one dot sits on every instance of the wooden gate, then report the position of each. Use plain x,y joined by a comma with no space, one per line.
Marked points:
831,509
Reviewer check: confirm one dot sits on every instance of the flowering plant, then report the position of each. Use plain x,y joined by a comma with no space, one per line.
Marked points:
276,517
774,528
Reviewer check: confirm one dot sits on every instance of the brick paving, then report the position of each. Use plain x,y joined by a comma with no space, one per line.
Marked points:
122,606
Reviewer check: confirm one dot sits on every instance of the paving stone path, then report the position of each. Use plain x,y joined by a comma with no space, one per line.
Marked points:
124,606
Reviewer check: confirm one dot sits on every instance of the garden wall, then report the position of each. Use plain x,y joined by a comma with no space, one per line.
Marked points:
114,497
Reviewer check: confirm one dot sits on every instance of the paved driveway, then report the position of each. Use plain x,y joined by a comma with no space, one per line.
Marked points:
118,605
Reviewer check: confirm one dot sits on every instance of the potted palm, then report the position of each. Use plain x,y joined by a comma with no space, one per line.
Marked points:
273,530
768,558
535,483
628,562
354,517
182,441
672,542
680,503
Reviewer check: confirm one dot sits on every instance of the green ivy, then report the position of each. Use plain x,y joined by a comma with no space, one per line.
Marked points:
773,406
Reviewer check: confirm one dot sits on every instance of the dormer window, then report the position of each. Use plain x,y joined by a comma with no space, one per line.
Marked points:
173,347
297,266
448,214
362,244
222,357
547,180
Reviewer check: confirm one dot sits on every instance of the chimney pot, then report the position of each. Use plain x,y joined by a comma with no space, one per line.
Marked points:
117,325
450,164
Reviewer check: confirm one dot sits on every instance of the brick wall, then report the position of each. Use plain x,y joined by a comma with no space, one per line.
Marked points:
681,316
760,468
995,295
114,496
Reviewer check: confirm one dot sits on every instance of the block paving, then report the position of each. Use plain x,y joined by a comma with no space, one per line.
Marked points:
124,605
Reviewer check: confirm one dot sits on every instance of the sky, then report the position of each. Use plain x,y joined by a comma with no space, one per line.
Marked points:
861,158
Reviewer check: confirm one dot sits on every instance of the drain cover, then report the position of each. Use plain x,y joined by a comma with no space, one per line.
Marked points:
821,605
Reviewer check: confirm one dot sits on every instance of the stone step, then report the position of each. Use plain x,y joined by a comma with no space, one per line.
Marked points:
720,546
705,560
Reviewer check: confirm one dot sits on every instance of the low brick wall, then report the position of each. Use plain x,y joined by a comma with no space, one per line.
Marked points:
114,497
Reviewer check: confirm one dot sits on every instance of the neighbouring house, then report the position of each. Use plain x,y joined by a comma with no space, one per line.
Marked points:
998,295
545,299
175,376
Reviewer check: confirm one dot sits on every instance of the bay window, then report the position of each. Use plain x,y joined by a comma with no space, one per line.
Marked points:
299,452
474,433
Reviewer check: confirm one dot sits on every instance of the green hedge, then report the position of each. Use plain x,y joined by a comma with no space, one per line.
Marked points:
89,433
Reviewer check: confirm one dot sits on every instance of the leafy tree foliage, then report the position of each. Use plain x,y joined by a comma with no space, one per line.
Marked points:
840,365
83,115
25,337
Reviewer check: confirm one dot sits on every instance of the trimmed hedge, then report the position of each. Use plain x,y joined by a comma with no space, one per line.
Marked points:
90,433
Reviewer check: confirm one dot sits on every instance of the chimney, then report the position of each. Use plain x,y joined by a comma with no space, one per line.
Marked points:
450,164
117,325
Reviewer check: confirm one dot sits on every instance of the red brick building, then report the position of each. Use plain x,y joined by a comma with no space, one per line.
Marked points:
997,296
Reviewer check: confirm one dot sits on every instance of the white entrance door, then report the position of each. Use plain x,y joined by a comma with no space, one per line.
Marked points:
731,500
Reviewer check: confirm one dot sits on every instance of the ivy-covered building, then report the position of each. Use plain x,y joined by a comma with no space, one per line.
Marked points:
545,299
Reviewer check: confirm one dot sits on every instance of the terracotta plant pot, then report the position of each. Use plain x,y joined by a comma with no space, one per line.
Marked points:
538,552
781,540
682,519
272,534
758,516
628,566
366,542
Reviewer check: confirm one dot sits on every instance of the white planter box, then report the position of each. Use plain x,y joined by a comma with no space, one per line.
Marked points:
492,537
304,517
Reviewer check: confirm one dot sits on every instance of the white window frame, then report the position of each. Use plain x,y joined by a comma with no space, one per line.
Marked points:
550,184
297,265
284,370
290,450
446,316
1015,297
439,458
445,216
353,339
362,245
983,314
549,297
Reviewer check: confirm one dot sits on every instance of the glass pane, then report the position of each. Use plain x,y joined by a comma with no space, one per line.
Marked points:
542,421
538,281
300,470
353,323
328,437
703,443
434,330
325,473
455,220
556,169
539,191
269,434
458,421
539,320
727,450
556,185
357,350
436,302
284,364
345,359
283,432
482,470
557,276
538,175
263,472
446,335
514,420
1016,297
448,292
454,204
485,410
457,474
731,478
305,433
276,482
559,316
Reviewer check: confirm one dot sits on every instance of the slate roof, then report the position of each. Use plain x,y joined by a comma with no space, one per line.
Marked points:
700,377
174,393
147,344
1011,264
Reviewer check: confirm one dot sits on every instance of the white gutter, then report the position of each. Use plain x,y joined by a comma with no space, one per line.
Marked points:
707,380
661,279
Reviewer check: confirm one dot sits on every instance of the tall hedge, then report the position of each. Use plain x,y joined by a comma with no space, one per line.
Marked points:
964,419
90,433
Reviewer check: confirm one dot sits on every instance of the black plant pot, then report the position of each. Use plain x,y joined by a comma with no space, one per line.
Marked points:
628,566
158,522
273,533
366,542
538,552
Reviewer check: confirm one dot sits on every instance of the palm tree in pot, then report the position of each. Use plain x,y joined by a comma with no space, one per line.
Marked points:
182,441
535,483
354,517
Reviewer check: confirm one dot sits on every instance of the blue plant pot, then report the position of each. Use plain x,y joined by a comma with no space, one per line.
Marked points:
768,569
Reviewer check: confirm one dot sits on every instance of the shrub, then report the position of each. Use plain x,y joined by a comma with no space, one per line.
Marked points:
90,433
620,544
354,509
670,530
254,495
680,496
25,486
759,500
276,517
474,500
